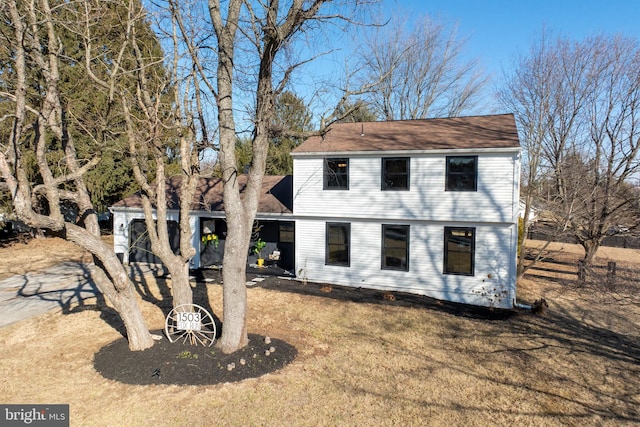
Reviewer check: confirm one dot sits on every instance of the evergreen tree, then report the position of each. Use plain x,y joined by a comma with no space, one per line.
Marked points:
356,112
291,120
94,120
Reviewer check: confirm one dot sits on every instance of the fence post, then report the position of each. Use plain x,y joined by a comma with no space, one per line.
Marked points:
581,271
611,269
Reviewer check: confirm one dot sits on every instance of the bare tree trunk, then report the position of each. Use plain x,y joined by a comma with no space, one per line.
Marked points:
234,272
181,286
113,281
156,194
125,301
590,249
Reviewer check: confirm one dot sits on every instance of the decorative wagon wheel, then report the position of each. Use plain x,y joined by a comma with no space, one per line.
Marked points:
190,323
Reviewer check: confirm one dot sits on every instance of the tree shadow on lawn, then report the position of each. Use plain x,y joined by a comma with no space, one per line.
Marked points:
605,380
77,293
529,337
530,343
182,363
575,372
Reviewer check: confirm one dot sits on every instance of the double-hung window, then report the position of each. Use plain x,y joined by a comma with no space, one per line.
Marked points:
395,247
459,250
338,240
395,173
462,173
336,174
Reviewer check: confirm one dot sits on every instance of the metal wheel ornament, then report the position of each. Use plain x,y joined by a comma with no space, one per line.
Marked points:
190,323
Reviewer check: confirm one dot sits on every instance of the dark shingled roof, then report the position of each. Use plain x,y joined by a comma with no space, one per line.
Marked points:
497,131
276,195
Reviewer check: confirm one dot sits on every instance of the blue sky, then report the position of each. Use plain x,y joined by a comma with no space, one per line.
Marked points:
496,32
498,29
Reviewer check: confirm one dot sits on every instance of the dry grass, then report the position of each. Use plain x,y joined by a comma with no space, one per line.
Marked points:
39,254
360,364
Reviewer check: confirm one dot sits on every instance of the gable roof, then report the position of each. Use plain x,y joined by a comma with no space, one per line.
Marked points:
275,197
496,131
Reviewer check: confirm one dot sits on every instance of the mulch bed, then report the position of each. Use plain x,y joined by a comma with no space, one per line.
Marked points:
185,364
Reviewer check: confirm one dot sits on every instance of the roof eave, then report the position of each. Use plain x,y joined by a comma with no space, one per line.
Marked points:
377,153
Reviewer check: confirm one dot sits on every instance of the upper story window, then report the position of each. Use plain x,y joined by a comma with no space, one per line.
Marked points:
395,173
338,237
462,173
336,174
395,247
459,250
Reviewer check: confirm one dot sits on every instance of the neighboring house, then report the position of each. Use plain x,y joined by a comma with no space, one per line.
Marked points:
428,207
422,206
533,212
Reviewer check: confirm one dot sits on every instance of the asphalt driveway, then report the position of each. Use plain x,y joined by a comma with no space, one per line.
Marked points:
26,295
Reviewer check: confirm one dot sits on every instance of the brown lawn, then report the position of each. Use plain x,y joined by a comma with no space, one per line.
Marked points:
360,364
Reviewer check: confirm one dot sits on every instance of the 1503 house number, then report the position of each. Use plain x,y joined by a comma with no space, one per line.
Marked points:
189,321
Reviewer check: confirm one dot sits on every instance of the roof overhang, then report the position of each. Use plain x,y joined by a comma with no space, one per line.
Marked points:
408,153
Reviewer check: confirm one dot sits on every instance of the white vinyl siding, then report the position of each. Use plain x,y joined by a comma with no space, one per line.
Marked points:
427,208
426,199
494,262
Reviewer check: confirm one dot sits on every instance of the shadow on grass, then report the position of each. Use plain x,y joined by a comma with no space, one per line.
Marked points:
572,370
76,294
589,373
147,277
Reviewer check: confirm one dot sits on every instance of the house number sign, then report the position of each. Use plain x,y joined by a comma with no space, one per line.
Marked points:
190,323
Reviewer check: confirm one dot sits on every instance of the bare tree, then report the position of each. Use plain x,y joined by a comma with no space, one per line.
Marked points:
610,147
164,118
532,92
40,116
420,69
253,44
577,108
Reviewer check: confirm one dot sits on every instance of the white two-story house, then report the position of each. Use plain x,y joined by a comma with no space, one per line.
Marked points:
428,207
421,206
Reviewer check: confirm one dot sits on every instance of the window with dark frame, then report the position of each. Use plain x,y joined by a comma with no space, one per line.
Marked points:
459,250
336,174
462,173
338,240
395,173
286,232
395,247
